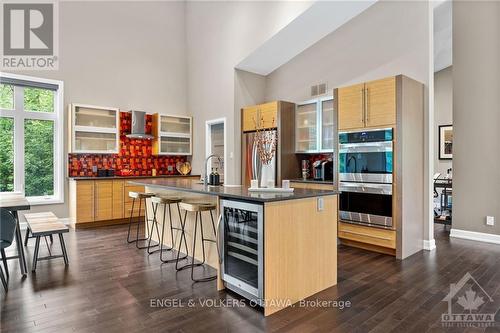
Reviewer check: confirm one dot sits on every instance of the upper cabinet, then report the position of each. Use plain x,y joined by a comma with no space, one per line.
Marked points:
370,104
93,129
262,116
173,135
314,126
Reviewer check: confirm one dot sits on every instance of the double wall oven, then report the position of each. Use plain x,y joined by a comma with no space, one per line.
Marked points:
365,177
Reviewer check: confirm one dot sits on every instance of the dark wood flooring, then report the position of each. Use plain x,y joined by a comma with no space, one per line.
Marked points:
109,285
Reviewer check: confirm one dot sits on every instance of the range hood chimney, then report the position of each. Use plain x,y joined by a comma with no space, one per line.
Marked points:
139,126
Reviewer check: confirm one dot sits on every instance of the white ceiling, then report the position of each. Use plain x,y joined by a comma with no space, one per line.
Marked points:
314,23
442,35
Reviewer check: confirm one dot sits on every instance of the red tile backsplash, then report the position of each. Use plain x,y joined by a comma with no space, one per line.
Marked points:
134,158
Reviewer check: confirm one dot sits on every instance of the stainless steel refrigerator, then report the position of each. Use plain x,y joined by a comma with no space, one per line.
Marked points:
253,166
284,165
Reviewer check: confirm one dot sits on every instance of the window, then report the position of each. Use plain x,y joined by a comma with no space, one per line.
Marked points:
31,134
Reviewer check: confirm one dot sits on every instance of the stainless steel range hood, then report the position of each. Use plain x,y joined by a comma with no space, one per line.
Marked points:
139,126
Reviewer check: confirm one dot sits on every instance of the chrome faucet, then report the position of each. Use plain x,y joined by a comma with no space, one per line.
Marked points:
205,178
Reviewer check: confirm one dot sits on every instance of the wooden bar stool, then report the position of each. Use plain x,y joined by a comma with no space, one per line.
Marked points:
166,201
42,217
198,208
41,229
141,197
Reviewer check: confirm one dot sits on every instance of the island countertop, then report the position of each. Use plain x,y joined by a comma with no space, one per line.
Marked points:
235,192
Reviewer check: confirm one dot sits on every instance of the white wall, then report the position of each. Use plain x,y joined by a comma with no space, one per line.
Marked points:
443,112
389,38
476,116
129,55
219,36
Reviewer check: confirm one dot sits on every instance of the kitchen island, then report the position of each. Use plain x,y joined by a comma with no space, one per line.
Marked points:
290,240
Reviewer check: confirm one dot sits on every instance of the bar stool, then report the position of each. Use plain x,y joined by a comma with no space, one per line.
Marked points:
198,208
165,201
141,197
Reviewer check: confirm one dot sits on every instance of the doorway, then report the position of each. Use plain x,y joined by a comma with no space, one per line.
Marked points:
215,139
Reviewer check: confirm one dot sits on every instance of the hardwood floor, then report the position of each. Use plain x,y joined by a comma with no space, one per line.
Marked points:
109,285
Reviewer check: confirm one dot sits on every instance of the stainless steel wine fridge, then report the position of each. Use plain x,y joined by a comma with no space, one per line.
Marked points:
242,244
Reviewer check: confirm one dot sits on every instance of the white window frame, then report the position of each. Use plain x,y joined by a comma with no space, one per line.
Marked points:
19,115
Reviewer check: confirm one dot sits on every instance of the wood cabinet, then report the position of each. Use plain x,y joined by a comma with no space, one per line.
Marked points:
311,185
370,104
128,200
103,197
397,103
84,207
351,107
265,115
93,129
118,203
379,238
173,135
300,259
380,102
102,201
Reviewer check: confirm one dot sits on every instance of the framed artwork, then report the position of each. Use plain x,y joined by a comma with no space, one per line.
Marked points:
445,142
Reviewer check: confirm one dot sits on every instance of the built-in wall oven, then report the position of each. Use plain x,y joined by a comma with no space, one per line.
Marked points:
365,177
242,244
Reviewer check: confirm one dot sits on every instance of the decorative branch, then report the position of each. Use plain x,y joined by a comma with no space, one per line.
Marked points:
266,141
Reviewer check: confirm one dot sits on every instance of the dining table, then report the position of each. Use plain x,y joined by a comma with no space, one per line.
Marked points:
15,204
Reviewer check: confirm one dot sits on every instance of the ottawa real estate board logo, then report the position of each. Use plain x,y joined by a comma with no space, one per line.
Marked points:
29,35
469,305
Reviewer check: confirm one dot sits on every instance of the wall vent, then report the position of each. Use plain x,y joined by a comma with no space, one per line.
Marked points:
318,89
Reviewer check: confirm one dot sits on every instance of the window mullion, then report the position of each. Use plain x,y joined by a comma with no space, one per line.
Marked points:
19,139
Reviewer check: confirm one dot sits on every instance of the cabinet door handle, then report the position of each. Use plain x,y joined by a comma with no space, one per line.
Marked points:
366,235
366,104
363,105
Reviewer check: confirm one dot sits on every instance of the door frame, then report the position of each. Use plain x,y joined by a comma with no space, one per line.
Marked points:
208,142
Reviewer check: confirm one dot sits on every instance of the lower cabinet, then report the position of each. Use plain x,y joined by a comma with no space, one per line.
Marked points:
311,185
101,200
376,239
82,203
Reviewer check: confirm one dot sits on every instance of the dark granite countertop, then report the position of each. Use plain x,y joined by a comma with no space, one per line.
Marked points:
239,192
312,181
134,177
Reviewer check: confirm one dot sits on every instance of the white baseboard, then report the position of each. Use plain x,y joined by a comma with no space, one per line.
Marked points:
475,236
65,220
430,244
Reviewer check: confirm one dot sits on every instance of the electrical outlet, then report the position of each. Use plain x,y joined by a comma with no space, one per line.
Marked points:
170,168
321,204
490,220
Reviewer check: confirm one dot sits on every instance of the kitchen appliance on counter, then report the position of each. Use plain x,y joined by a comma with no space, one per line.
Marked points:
242,244
317,169
305,169
365,177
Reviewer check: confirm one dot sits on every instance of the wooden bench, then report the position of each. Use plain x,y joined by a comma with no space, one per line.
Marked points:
42,227
42,217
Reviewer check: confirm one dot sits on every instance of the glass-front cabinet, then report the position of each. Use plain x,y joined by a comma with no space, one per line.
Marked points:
314,126
327,125
94,129
306,130
173,135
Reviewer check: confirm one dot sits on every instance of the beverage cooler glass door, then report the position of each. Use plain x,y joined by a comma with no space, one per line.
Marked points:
243,251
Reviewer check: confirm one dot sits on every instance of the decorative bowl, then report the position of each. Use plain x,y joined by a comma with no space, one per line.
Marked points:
183,168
